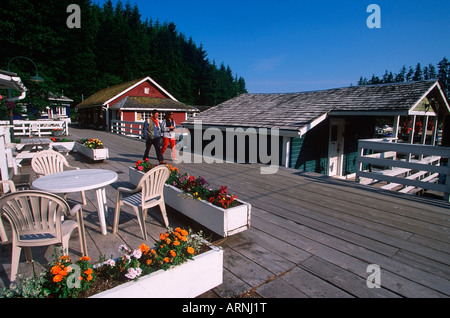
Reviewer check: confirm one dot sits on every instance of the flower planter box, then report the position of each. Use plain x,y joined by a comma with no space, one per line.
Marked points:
224,222
187,280
68,145
94,154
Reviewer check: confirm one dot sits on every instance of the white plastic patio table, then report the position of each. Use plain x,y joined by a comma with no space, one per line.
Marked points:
80,180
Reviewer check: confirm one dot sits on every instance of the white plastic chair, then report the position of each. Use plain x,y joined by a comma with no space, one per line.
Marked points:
48,162
36,220
148,193
35,128
12,188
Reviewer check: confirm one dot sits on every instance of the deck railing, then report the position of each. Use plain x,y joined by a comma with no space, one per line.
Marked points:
127,128
135,129
406,167
37,128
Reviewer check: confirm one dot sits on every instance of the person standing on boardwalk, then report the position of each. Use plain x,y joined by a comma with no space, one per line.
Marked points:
168,131
152,136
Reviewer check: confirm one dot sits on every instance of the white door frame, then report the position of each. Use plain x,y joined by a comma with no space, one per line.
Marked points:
336,147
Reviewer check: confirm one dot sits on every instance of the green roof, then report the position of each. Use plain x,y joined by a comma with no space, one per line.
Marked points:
99,98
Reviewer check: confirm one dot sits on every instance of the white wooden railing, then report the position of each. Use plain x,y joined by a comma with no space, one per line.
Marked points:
37,127
407,167
135,129
127,128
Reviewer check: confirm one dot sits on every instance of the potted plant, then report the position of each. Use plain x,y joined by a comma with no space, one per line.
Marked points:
170,269
216,209
57,132
92,148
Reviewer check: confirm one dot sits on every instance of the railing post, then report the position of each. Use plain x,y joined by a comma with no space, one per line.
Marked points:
359,162
447,182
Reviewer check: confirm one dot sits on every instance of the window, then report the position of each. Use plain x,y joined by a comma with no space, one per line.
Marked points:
144,115
146,90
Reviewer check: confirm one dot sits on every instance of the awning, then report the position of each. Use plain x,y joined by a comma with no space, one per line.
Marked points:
10,80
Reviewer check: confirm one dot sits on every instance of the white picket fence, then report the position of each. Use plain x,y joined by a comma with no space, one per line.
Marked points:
37,128
404,167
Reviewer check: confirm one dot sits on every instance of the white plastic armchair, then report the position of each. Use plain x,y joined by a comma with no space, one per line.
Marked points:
148,193
48,162
12,188
34,129
36,220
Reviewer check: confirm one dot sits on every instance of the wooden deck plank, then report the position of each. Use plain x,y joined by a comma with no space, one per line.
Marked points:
342,279
311,236
281,208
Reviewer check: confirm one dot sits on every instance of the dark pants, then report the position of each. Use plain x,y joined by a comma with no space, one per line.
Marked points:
155,142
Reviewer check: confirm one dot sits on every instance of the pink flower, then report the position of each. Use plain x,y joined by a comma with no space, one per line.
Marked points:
140,168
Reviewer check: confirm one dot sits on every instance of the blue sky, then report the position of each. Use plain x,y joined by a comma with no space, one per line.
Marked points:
294,46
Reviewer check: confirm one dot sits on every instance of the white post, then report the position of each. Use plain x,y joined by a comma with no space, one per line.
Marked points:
424,129
395,128
433,136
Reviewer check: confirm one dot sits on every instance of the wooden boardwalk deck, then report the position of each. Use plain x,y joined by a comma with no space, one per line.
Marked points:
311,236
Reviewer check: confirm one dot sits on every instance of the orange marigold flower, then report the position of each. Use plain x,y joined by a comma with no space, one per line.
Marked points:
89,278
85,258
144,248
57,278
162,236
176,243
184,232
88,271
190,250
177,229
168,241
172,253
149,261
166,259
55,269
153,251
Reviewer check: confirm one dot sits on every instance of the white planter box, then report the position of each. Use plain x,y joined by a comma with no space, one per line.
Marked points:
187,280
224,222
69,145
94,154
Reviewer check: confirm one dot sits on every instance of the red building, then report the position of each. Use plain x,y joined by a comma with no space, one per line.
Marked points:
130,102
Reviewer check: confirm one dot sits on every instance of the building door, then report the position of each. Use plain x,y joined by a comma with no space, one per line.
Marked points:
336,147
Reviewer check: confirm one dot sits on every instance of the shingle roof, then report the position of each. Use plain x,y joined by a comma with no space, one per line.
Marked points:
293,111
143,102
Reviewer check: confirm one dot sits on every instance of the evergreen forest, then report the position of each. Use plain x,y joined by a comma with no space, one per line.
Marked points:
417,73
113,45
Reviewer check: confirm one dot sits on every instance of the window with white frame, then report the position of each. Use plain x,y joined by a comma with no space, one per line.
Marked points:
142,116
